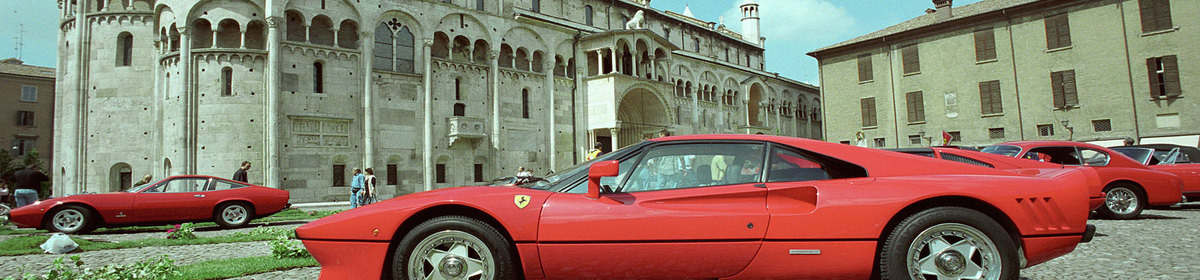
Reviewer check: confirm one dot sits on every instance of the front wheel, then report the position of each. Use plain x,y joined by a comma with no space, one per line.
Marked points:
453,247
70,219
233,215
949,243
1121,202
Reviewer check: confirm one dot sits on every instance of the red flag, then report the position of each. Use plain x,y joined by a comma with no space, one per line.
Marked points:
946,138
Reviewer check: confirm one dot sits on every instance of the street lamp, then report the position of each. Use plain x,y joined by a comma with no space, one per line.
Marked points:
1067,124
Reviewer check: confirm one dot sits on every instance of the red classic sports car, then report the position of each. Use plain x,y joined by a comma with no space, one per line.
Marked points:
1017,165
173,200
1128,185
719,206
1179,160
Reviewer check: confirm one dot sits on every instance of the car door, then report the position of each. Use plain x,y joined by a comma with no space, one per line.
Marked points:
669,216
174,200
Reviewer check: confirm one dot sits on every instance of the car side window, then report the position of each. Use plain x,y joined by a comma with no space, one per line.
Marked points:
967,160
789,166
1092,157
223,185
1059,155
695,165
179,185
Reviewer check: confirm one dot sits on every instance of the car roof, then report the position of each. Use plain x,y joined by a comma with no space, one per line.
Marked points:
1044,143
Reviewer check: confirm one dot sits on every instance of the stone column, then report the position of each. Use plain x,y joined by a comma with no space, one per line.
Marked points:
548,70
599,62
307,33
368,52
213,43
242,44
427,153
653,67
335,36
615,66
274,166
73,160
189,103
615,137
633,64
494,89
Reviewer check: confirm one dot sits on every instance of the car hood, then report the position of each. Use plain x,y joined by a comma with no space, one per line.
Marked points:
385,220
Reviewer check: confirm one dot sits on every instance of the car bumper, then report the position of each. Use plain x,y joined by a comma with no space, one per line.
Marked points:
348,259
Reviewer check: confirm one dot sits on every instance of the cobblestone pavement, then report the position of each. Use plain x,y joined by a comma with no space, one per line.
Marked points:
1161,244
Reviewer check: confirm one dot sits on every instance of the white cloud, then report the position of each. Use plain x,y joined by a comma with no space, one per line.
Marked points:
787,20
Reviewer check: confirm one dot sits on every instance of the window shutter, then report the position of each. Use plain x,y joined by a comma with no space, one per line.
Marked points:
985,99
997,101
1051,32
1152,74
1064,31
868,112
1147,8
911,59
1070,96
1056,84
864,68
1163,14
1171,76
985,45
919,99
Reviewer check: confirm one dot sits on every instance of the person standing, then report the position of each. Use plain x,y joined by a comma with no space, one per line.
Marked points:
594,153
27,183
356,188
370,187
240,174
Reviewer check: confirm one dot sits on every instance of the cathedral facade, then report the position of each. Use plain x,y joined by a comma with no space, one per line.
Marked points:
429,94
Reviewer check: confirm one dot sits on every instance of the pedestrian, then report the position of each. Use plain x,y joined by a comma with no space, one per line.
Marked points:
145,180
27,183
356,188
240,174
594,153
1129,141
523,173
370,187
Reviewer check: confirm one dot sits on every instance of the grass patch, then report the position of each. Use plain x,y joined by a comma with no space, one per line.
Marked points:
228,268
25,245
291,214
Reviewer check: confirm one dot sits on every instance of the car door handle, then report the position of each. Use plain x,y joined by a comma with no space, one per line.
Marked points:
199,195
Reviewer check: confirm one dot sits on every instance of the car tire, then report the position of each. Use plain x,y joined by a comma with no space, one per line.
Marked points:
70,219
483,250
968,245
232,215
1121,202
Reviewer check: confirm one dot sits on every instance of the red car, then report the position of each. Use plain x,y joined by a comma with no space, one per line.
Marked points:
719,206
1017,165
1128,186
173,200
1174,159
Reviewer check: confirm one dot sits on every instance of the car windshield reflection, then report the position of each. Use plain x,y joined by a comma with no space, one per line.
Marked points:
1004,150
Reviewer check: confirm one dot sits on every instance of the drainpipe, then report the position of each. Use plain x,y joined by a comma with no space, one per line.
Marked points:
1137,132
1012,50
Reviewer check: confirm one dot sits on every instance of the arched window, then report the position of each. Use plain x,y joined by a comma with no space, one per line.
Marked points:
227,81
525,103
124,49
295,26
321,31
229,34
347,36
506,56
537,6
384,54
318,77
522,62
203,34
254,37
481,51
457,88
587,15
696,43
537,62
479,5
405,52
441,45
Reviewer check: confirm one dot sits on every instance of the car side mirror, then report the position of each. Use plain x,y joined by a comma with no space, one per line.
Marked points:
599,170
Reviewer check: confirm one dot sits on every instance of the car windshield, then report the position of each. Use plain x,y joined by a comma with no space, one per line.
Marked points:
1004,150
574,171
1138,154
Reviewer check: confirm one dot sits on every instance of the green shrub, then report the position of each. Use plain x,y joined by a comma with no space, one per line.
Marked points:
285,247
158,268
182,231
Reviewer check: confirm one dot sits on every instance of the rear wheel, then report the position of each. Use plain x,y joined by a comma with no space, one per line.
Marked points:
949,243
1121,202
453,247
233,215
71,219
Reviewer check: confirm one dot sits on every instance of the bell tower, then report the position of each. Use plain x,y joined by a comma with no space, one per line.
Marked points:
750,22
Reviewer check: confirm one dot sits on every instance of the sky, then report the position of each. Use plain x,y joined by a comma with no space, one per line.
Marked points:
792,27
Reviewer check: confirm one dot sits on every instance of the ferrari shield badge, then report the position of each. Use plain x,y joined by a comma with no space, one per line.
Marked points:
521,200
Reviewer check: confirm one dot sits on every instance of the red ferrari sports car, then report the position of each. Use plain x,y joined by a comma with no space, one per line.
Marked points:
1128,185
172,200
1174,159
719,206
1020,166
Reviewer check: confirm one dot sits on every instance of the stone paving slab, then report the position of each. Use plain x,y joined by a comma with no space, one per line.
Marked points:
183,255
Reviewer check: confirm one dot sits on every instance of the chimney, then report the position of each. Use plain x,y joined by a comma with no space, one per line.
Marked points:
943,9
